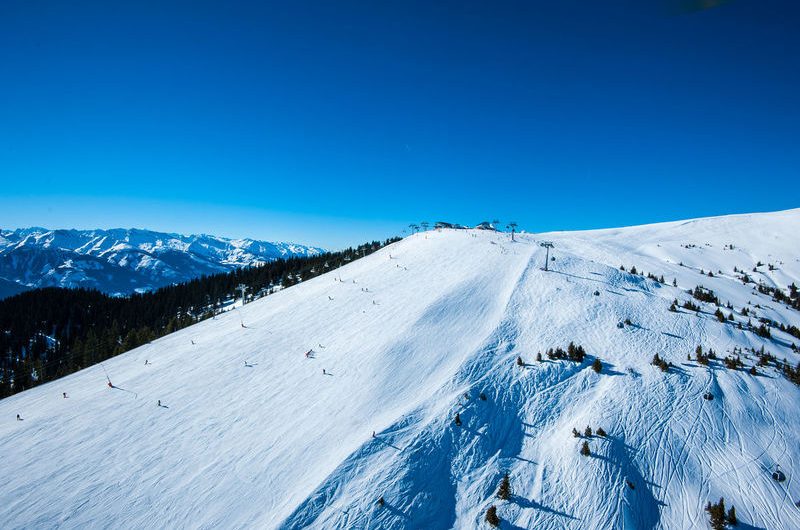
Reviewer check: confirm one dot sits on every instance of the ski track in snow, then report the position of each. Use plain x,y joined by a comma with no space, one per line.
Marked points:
252,434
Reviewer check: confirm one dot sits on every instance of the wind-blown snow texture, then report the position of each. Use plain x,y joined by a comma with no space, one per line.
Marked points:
122,261
253,435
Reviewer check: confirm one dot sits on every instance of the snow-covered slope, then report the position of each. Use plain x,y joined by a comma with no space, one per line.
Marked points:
254,434
121,261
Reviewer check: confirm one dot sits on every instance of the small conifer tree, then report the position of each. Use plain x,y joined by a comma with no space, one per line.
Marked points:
732,520
597,365
600,432
491,516
458,420
587,432
716,514
504,491
585,449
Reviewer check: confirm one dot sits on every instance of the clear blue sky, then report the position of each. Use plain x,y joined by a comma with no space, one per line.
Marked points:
334,122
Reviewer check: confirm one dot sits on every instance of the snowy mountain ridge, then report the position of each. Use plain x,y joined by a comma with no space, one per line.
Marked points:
122,261
388,394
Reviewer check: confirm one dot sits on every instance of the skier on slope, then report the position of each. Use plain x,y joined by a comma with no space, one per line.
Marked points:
64,394
19,418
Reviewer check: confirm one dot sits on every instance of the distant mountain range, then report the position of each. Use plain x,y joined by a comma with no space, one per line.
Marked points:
122,261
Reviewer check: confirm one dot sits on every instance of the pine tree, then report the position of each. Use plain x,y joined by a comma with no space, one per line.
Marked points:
716,513
539,357
504,491
585,449
587,432
520,362
458,420
597,365
601,432
491,516
732,520
661,363
575,433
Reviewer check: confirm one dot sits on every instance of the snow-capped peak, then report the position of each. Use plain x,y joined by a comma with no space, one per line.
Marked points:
121,261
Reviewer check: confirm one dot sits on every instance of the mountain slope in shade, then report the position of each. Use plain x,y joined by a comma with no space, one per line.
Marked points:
122,261
253,433
8,288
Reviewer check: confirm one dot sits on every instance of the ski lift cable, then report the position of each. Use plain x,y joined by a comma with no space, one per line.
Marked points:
105,372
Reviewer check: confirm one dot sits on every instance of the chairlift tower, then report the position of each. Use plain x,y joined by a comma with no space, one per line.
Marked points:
513,226
243,288
547,245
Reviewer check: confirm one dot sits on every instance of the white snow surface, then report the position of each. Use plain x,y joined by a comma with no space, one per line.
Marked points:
253,435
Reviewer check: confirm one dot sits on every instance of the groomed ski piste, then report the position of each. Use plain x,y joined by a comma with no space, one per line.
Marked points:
252,434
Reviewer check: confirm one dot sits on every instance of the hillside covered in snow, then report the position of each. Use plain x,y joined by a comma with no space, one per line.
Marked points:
123,261
398,390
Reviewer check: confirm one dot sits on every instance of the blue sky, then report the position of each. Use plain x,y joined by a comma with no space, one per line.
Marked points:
336,122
